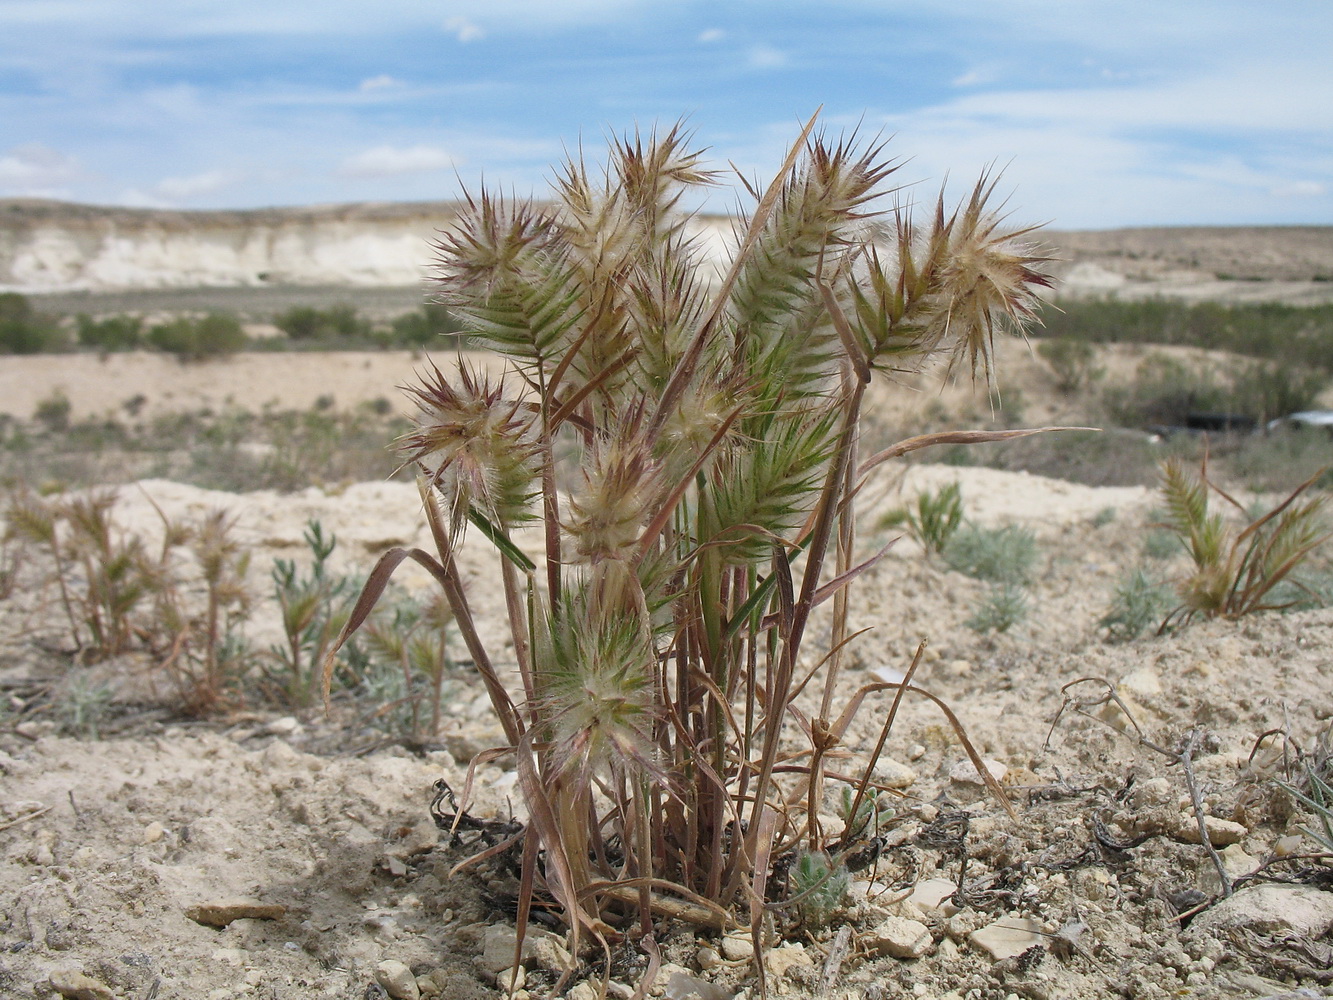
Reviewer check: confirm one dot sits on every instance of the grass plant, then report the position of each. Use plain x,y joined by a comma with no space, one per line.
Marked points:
1237,563
674,735
933,519
315,606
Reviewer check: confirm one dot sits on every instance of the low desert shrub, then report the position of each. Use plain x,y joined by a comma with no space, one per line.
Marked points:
111,333
430,326
308,323
199,338
708,434
1074,363
1002,607
1237,562
1139,601
1000,555
24,330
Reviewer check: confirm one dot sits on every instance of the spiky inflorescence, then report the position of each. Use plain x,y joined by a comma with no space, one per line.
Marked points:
475,445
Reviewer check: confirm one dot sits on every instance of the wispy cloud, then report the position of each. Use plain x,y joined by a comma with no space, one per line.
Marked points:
766,57
710,35
464,29
389,161
381,82
36,170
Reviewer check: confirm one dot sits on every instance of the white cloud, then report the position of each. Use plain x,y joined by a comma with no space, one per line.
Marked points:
181,188
464,30
381,82
389,161
710,35
35,170
1298,189
766,57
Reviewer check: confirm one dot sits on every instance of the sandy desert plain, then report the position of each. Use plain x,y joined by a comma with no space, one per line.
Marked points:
272,852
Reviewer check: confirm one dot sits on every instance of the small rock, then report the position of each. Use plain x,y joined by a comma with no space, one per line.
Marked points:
581,991
284,726
893,774
551,955
1007,937
934,894
927,813
154,832
618,990
737,946
779,960
1292,844
223,912
959,668
512,979
708,958
965,772
1141,683
899,938
888,675
74,985
1220,831
685,987
500,942
397,980
1269,908
916,751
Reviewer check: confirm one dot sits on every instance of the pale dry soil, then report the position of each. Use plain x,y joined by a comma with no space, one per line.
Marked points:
1084,891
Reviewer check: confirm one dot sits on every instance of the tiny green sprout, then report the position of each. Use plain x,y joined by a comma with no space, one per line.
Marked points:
872,816
818,885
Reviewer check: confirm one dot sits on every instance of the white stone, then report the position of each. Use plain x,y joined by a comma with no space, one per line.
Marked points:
397,980
737,946
965,772
1007,937
1269,908
899,937
893,774
934,894
779,961
1220,831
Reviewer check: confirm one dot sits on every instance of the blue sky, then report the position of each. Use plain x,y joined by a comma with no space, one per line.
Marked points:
1110,113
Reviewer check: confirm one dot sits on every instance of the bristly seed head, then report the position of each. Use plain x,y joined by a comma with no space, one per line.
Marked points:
476,445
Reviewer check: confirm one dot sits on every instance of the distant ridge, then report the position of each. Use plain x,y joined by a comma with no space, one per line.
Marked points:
55,246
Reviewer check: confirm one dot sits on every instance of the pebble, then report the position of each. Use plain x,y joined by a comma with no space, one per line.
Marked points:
154,832
934,893
779,961
681,986
1292,844
581,991
737,946
1220,831
893,774
1269,908
284,726
965,772
707,958
500,941
899,937
916,751
551,955
397,980
511,979
223,912
1007,937
74,985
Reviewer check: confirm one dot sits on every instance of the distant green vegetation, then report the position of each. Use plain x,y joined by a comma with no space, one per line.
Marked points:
191,337
1295,335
